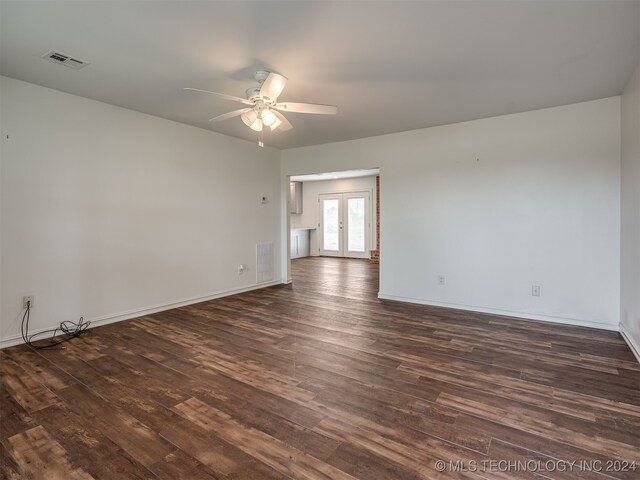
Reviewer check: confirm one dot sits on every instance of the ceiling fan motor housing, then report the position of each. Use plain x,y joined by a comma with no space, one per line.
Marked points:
260,76
252,93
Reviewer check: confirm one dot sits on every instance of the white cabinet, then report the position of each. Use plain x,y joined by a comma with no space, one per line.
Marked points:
294,245
303,243
295,197
299,243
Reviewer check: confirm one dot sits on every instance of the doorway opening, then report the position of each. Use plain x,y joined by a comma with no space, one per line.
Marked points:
334,214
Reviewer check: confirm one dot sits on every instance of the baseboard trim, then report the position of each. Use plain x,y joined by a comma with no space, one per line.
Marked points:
508,313
633,345
128,315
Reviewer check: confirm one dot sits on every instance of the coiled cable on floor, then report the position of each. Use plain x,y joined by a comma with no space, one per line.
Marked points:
68,328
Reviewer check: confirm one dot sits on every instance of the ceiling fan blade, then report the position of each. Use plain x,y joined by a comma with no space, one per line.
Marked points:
307,108
226,116
273,86
285,125
222,95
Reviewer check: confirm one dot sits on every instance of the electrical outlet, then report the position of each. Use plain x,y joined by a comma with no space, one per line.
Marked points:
535,290
241,268
441,280
28,300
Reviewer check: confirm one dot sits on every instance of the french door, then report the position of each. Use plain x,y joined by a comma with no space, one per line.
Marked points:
345,226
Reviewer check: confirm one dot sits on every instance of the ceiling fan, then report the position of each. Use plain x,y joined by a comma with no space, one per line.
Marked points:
263,108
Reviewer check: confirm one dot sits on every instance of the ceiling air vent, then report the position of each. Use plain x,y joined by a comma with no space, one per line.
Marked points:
64,59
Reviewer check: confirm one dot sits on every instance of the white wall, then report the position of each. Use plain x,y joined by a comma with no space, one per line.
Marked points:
107,212
630,213
498,205
309,218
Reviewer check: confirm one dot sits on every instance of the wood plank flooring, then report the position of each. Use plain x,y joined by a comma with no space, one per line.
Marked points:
321,380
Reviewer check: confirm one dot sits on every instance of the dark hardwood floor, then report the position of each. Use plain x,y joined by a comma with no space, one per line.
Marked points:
321,380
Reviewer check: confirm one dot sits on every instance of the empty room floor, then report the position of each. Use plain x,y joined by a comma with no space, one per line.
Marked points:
320,379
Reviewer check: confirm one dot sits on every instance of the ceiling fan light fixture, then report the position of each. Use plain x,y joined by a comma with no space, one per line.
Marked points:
262,108
252,120
249,118
257,125
268,117
275,124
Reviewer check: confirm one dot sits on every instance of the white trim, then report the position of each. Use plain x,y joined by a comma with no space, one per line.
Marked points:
118,317
633,345
496,311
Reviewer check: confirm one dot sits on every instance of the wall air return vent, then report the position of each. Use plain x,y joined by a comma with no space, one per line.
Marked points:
264,262
64,59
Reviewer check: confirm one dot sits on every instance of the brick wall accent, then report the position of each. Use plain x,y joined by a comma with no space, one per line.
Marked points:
375,254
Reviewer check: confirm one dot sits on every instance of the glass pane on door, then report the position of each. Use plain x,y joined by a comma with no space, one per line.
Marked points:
331,224
356,225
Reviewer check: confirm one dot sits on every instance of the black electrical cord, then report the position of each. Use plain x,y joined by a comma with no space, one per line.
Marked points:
68,328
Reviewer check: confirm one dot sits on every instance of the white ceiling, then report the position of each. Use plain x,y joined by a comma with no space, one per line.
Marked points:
389,66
